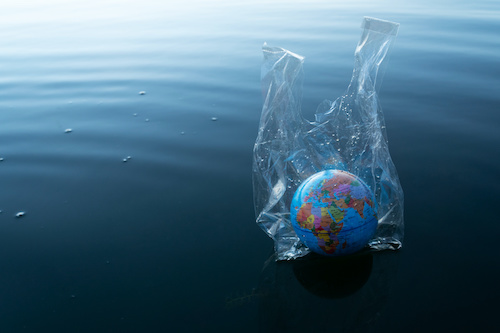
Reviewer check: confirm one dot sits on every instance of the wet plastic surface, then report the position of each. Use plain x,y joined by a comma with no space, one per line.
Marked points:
347,134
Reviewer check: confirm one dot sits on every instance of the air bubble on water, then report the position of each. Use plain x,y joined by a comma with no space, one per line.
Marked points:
129,157
124,160
214,118
142,93
338,149
1,159
146,120
182,133
20,214
135,114
73,296
68,130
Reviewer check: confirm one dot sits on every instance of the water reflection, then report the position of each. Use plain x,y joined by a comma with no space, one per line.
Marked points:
325,294
333,277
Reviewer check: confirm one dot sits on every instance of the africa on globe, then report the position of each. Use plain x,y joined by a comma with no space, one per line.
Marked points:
333,213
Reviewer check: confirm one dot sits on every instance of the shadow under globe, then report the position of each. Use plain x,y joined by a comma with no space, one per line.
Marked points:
345,294
336,277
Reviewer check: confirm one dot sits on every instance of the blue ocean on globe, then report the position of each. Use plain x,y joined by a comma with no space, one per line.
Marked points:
333,213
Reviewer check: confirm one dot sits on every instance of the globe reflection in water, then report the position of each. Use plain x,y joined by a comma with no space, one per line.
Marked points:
333,277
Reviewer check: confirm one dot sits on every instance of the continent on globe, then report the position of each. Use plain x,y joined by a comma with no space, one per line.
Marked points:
333,213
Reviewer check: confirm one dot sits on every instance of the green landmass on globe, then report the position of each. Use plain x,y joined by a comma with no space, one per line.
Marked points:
333,213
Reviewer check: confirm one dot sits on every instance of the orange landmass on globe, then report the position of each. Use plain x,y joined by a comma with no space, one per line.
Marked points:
340,203
305,217
304,212
336,181
358,205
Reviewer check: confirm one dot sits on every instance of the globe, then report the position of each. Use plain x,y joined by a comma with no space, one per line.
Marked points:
333,213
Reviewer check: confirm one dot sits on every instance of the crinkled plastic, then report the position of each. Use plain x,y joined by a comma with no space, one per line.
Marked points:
347,134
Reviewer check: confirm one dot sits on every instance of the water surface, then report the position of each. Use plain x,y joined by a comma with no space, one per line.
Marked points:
166,241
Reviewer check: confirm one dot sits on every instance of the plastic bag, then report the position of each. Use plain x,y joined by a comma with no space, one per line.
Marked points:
347,134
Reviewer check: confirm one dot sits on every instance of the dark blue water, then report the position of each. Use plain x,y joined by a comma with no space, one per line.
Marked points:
166,241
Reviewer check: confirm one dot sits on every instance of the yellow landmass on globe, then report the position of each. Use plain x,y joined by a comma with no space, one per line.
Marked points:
309,223
324,235
330,244
337,214
326,219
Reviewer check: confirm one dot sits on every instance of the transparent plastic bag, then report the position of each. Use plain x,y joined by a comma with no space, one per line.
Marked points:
347,134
